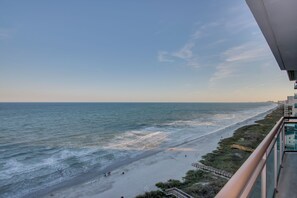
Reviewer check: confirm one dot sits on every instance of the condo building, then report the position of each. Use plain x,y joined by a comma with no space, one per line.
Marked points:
290,106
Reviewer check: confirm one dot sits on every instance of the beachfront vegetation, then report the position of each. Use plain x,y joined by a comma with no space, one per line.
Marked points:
230,159
152,194
199,183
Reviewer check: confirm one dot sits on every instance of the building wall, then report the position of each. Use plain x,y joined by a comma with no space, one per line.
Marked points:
290,106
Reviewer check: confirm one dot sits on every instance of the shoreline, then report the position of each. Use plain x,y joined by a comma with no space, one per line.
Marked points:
154,165
226,157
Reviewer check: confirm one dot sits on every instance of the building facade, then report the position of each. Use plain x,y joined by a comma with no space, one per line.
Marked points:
290,106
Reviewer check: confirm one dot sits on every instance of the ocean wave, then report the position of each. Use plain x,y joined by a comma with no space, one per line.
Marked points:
137,140
190,123
55,161
224,116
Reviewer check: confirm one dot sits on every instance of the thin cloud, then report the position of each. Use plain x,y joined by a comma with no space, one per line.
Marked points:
228,26
223,70
164,56
203,30
235,57
245,52
198,34
185,52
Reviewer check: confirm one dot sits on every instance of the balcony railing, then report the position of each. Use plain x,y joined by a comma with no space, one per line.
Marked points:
258,176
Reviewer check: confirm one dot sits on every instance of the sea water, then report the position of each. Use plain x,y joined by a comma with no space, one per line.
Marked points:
44,144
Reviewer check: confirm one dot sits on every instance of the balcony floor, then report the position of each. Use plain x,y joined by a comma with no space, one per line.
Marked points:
287,185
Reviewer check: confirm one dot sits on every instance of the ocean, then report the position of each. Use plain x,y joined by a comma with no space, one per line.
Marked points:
45,144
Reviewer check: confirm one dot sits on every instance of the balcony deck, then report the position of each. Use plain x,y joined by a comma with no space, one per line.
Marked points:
288,176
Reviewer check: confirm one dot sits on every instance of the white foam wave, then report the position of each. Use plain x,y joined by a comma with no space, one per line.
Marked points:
137,140
16,167
190,123
224,116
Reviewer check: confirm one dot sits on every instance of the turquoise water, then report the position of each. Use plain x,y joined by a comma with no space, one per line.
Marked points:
43,144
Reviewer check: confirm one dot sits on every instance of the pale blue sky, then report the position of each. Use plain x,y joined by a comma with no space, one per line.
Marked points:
133,50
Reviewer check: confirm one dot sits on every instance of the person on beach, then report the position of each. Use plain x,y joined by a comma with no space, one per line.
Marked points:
123,173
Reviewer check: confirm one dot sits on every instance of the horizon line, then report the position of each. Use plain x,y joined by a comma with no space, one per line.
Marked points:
137,101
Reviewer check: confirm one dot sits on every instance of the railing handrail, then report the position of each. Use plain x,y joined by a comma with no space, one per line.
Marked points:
237,184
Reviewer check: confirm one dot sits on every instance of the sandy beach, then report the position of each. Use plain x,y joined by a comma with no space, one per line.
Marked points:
142,175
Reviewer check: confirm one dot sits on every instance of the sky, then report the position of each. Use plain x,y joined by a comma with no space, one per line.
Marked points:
135,51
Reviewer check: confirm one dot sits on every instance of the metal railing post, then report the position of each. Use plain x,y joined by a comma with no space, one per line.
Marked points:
281,146
275,165
263,178
284,139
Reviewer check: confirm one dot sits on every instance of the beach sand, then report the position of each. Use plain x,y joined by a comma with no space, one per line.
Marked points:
142,175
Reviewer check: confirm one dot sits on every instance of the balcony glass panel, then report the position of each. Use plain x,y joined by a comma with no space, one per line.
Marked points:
278,153
270,174
256,190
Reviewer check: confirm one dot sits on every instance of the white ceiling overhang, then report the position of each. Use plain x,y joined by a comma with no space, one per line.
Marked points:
277,20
